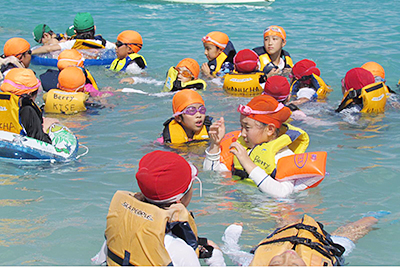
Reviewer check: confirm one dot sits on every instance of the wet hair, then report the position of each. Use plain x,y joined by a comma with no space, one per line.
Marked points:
85,35
263,125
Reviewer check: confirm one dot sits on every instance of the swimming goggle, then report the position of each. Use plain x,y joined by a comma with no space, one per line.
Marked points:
247,111
191,111
207,38
119,44
274,29
185,73
23,53
78,62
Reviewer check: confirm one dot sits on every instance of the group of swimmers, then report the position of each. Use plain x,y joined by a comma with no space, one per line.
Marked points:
154,227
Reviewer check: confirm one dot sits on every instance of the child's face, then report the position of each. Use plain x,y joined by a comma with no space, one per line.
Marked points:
254,133
273,44
123,51
211,51
287,258
192,123
184,74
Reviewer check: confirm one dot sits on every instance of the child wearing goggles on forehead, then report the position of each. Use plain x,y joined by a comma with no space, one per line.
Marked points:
184,76
253,152
273,59
307,85
218,49
127,47
189,122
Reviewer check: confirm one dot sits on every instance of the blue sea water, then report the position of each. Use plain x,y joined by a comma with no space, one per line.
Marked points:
54,214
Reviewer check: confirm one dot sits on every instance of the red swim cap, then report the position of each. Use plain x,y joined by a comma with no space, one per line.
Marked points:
357,78
278,87
164,177
246,61
305,67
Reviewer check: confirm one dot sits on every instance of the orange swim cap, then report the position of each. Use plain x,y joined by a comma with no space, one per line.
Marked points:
16,46
191,65
19,81
71,79
276,113
275,30
218,39
132,38
375,69
70,57
184,98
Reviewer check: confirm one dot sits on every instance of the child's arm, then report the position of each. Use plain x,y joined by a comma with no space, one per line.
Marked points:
46,49
357,229
127,80
212,160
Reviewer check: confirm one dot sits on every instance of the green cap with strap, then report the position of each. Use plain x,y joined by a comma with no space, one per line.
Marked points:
38,32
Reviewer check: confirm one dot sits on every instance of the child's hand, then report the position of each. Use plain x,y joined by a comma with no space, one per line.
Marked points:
274,72
213,244
205,69
216,132
127,80
47,122
241,153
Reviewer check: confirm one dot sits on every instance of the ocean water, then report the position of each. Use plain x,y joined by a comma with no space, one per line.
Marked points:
55,214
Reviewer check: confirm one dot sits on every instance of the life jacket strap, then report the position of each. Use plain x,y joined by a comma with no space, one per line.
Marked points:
353,94
118,260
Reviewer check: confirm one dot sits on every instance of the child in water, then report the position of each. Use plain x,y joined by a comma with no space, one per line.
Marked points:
43,34
218,49
153,227
17,54
273,59
128,44
307,85
246,79
184,76
264,139
189,122
23,115
67,58
69,97
279,88
356,97
322,249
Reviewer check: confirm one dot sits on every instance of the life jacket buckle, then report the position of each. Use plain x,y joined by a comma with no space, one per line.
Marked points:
353,94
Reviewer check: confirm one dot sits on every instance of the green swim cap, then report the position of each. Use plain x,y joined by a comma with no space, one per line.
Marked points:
83,22
70,31
39,30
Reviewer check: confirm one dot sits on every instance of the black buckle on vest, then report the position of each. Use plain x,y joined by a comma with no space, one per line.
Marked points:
352,94
115,258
